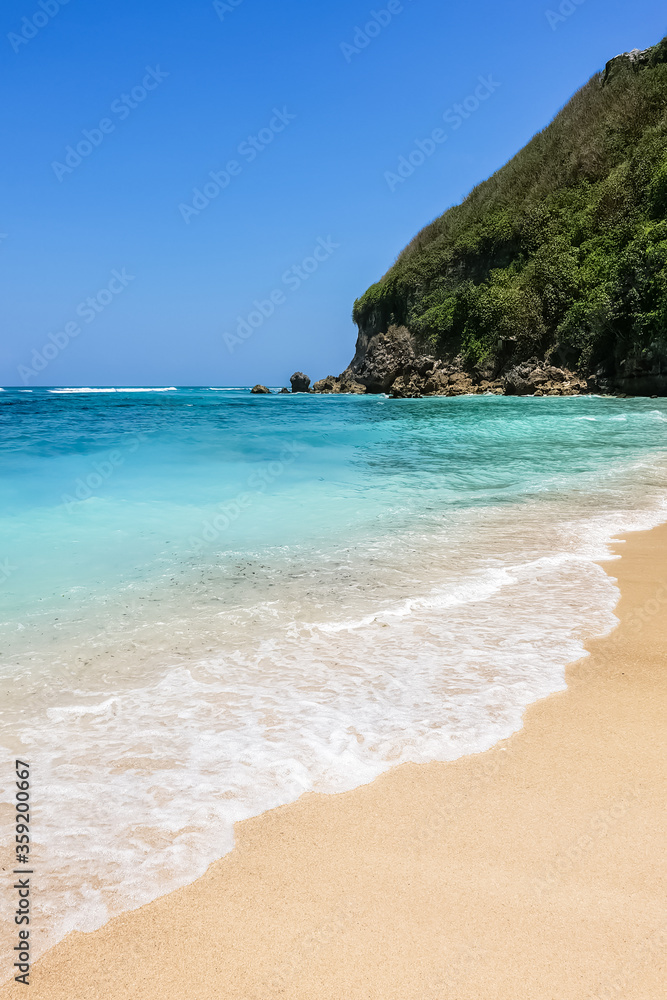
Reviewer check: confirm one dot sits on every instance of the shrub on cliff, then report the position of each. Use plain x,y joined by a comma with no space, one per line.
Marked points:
564,249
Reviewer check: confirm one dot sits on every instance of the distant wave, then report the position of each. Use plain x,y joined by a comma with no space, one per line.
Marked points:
169,388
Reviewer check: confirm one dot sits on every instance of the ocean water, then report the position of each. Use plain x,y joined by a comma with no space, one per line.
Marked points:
212,602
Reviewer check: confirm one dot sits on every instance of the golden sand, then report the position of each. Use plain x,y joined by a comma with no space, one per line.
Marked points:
536,870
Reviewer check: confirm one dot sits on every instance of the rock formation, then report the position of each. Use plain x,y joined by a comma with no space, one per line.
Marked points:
300,382
550,278
395,363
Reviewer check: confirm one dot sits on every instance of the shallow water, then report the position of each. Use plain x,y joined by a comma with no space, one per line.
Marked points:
211,602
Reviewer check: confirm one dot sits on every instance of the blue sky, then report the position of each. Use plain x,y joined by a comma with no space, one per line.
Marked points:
115,271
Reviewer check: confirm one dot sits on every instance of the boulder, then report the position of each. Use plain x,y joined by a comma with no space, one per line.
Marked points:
329,384
523,380
300,382
333,384
260,390
490,385
532,377
380,359
460,384
356,388
406,387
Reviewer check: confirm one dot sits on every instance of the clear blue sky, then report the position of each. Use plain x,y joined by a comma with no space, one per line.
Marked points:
345,117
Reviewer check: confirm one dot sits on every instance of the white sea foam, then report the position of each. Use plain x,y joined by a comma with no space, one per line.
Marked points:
453,592
109,389
149,780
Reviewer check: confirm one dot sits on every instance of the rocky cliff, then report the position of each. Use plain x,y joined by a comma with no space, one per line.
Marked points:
551,277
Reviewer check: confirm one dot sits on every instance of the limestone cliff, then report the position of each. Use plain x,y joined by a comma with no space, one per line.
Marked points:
551,277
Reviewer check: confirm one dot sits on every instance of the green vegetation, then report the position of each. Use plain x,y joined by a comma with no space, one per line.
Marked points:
563,252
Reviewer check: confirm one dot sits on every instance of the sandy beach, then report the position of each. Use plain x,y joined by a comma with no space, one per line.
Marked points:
536,870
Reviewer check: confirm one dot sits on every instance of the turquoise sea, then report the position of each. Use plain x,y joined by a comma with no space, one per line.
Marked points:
211,602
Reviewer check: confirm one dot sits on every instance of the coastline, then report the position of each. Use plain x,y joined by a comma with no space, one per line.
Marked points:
532,870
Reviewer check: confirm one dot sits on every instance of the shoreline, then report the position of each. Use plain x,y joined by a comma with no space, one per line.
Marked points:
439,880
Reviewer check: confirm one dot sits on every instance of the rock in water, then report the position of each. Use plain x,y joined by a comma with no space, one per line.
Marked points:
336,384
261,390
300,382
284,390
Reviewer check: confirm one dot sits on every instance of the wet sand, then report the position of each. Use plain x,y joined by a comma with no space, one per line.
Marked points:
537,870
